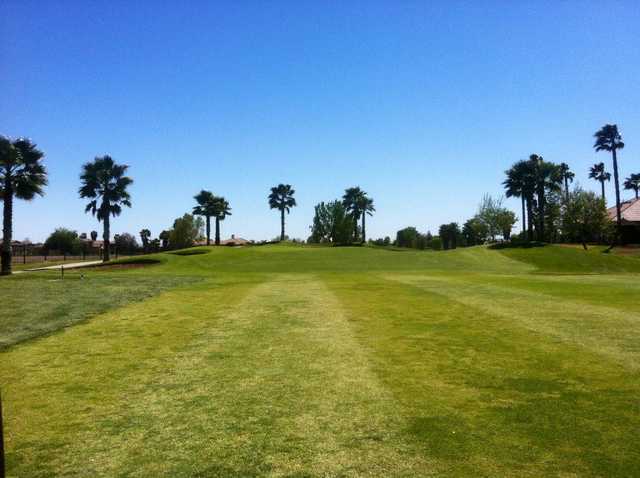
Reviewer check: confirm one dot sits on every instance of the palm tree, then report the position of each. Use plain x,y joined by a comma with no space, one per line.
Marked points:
367,209
281,198
145,235
221,209
520,183
547,178
103,181
22,176
598,173
608,138
633,183
206,208
352,201
566,176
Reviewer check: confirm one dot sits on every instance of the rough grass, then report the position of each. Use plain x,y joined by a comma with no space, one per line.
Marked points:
294,361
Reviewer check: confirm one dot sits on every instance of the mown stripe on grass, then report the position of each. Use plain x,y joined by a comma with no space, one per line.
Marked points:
608,331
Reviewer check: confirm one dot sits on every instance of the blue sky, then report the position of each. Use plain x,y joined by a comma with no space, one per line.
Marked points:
422,104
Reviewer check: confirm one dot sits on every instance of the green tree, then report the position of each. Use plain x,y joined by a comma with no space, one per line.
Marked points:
598,173
566,176
22,176
281,198
206,207
633,183
154,245
104,182
145,236
125,243
331,223
608,138
164,238
449,234
585,218
63,240
407,237
184,232
475,231
221,210
505,221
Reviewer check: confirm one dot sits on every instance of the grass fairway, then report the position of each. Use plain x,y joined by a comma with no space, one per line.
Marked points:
312,361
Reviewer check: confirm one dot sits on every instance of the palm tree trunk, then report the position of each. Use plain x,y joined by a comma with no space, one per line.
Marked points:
615,178
540,215
105,238
603,198
529,218
282,224
566,187
208,230
364,228
217,231
7,228
524,219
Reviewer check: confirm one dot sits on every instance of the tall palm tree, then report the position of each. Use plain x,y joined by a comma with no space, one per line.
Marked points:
352,201
221,209
547,178
633,183
104,182
145,236
608,138
366,206
566,175
598,173
520,184
281,198
22,176
206,208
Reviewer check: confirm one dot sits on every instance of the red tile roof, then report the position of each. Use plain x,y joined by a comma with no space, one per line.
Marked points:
630,211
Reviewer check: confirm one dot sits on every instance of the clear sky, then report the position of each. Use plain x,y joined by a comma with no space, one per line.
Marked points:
422,104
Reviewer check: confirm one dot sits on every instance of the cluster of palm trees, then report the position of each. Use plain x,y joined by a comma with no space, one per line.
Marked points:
209,205
533,180
359,206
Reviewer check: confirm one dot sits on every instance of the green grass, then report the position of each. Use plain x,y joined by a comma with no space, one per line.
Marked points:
314,361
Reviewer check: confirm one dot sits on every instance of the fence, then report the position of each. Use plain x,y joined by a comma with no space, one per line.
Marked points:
30,254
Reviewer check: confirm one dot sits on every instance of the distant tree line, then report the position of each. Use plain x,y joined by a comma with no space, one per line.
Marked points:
550,212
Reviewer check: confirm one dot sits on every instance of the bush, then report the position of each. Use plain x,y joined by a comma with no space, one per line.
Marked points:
64,241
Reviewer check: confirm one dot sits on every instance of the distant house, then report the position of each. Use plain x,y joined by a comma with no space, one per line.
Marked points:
630,212
235,241
90,244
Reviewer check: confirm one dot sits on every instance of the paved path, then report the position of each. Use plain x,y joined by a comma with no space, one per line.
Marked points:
71,265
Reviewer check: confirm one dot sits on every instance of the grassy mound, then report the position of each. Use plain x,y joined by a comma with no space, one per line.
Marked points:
563,259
